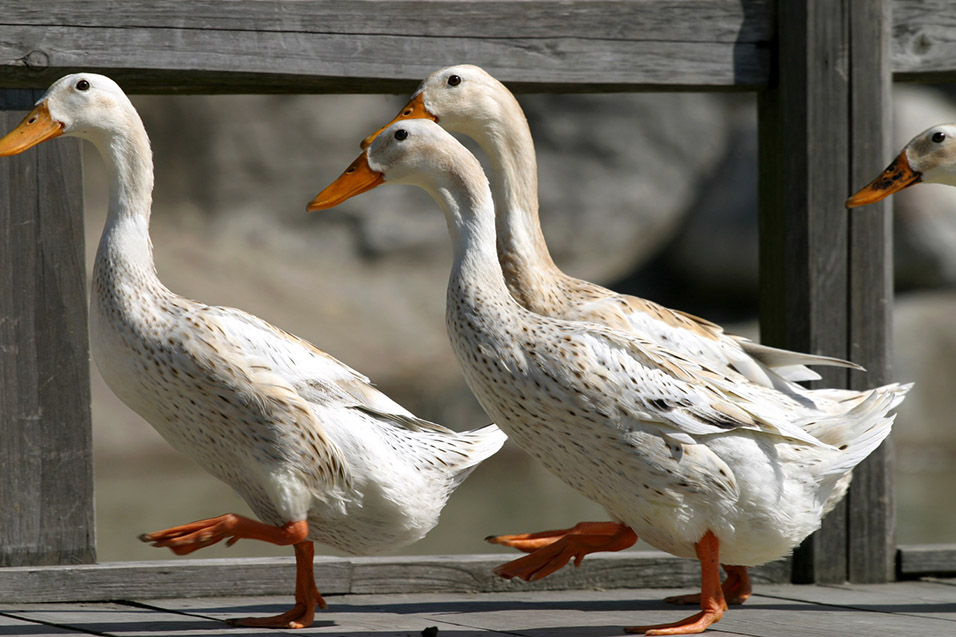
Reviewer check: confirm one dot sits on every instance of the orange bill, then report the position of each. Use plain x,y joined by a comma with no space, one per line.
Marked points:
36,127
415,109
896,177
356,179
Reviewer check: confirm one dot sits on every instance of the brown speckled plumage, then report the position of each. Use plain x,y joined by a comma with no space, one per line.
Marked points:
299,435
668,445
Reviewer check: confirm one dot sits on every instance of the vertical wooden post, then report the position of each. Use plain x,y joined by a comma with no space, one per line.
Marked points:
824,283
46,462
803,225
872,546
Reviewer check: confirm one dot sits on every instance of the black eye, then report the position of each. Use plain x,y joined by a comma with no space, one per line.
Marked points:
82,85
454,80
939,136
401,134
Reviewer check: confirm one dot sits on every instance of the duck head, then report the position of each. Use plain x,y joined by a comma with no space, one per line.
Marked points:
461,98
77,105
415,152
930,158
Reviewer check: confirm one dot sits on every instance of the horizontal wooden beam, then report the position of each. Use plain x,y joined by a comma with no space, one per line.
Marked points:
382,46
924,41
305,46
917,560
337,576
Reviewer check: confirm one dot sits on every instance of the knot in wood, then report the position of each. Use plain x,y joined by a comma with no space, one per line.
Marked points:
36,60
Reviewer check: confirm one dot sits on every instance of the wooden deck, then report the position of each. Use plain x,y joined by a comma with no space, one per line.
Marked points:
924,607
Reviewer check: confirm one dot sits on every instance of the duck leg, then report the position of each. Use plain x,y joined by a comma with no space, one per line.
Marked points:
551,550
190,537
737,588
712,602
307,596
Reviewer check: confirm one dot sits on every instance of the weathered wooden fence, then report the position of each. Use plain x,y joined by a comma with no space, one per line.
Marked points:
822,71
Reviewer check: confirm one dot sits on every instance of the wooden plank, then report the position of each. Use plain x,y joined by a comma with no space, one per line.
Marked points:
926,559
46,473
119,620
14,626
803,227
346,615
788,611
924,47
871,510
913,599
630,569
265,576
389,45
158,579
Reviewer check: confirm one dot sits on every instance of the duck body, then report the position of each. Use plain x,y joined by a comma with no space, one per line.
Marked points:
316,451
364,481
688,456
467,100
593,408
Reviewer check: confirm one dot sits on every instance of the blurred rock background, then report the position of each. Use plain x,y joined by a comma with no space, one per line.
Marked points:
650,194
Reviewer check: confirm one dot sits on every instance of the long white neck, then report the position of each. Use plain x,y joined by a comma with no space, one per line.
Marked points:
125,249
507,142
465,199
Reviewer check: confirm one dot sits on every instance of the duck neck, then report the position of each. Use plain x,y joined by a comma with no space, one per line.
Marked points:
125,250
469,210
526,264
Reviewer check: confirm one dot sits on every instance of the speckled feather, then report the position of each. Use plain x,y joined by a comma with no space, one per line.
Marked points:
479,106
296,433
668,445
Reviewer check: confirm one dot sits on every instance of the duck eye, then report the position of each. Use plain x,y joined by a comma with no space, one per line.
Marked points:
401,134
82,85
939,136
454,80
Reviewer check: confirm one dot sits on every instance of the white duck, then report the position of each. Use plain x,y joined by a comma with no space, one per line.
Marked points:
698,462
467,100
929,158
315,450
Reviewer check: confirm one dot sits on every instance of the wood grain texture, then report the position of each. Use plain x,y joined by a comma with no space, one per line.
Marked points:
265,576
389,45
908,608
924,40
917,560
46,471
803,225
871,513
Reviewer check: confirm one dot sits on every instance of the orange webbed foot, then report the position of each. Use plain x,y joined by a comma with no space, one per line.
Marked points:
529,542
694,624
307,597
187,538
712,603
557,548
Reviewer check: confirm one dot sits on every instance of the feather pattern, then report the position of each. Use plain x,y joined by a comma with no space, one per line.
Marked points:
298,434
669,445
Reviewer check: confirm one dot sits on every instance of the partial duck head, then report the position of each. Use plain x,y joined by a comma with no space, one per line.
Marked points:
415,152
79,105
461,98
930,157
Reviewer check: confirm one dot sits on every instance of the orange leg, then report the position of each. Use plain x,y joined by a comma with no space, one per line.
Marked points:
712,602
737,588
551,550
190,537
307,596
